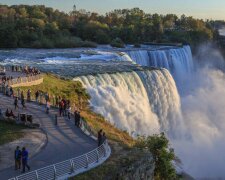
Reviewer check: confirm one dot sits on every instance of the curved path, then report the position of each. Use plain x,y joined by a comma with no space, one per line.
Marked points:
65,141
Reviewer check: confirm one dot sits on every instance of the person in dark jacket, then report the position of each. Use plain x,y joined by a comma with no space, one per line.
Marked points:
25,160
17,156
36,95
100,137
16,103
77,118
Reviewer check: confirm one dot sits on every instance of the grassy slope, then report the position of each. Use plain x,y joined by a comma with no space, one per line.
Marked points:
10,132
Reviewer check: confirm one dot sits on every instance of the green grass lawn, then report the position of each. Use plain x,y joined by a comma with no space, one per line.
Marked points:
10,132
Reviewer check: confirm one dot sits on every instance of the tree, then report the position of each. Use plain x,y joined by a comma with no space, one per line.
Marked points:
158,145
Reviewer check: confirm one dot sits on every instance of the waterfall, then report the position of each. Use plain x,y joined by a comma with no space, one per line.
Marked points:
177,60
143,102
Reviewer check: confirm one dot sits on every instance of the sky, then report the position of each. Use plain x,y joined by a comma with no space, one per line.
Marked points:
204,9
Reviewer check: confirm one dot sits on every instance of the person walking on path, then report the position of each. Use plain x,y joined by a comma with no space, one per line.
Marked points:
22,100
77,118
46,98
29,95
16,103
100,137
25,160
48,107
61,106
17,155
36,95
68,112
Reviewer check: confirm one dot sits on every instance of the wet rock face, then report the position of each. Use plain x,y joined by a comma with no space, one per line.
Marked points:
143,169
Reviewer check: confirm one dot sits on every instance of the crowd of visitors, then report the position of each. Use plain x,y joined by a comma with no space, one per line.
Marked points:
21,157
26,69
31,71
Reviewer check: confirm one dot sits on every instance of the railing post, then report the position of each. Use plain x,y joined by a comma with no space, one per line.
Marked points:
87,161
97,154
54,171
72,166
36,175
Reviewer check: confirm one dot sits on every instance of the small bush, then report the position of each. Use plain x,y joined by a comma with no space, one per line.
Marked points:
117,43
88,44
158,145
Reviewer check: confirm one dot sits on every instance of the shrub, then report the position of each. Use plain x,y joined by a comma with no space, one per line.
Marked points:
117,43
162,155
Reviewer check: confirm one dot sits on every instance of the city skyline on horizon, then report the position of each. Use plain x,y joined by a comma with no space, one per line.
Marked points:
202,9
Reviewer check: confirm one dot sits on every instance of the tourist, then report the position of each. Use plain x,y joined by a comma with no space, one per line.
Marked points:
36,95
22,100
64,107
16,103
68,111
11,92
11,114
25,159
46,98
56,101
61,107
17,155
7,113
77,118
100,137
29,95
48,105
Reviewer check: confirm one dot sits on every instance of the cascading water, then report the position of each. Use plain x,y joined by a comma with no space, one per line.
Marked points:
143,102
177,60
164,98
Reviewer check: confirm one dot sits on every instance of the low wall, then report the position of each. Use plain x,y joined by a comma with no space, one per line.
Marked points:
25,81
31,83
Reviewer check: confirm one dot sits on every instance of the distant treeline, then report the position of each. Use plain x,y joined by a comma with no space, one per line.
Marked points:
43,27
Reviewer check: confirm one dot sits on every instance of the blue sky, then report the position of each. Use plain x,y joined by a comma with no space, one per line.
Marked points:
211,9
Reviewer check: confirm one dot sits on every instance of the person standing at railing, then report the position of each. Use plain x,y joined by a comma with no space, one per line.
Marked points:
100,137
25,155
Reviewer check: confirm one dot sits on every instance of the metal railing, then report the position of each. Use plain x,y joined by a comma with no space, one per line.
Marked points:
70,167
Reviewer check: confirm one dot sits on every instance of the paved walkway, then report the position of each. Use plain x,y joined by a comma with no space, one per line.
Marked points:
65,141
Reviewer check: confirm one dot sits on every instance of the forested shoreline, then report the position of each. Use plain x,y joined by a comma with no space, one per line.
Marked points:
23,26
